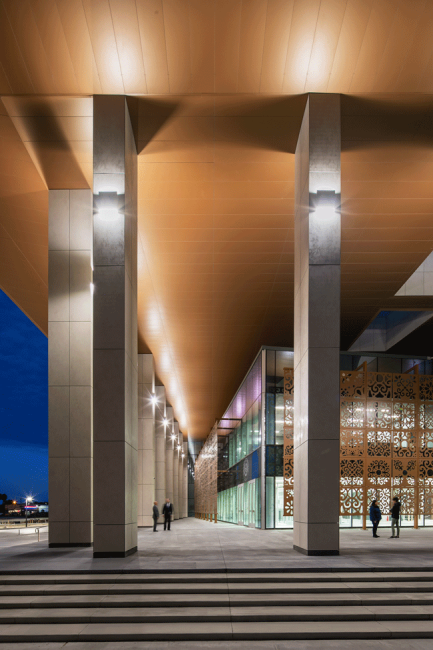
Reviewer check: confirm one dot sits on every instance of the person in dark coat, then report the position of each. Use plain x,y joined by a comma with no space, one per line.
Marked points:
375,516
167,511
155,515
395,517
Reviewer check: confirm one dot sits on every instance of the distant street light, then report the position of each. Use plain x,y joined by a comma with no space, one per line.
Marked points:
29,500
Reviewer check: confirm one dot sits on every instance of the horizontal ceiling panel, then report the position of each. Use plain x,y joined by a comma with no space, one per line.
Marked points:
216,190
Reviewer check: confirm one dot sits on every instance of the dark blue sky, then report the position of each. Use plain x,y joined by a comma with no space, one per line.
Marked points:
23,405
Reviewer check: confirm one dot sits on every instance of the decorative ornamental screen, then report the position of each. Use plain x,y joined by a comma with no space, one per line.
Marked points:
205,482
386,442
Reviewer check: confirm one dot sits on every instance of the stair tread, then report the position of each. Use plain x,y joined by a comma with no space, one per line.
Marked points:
133,600
222,630
219,587
209,577
331,612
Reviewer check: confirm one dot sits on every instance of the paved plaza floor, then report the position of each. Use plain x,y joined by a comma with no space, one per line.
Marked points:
193,544
320,644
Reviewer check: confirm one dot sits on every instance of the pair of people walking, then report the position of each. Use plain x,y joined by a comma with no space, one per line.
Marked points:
376,516
167,511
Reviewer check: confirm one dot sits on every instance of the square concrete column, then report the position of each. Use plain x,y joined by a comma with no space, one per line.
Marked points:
160,434
169,454
185,481
70,351
146,439
180,476
176,456
317,328
115,355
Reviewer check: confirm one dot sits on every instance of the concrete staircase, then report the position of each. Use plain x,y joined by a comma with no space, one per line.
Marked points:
123,607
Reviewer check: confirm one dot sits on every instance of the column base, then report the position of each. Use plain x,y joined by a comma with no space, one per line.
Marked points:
131,551
70,545
305,551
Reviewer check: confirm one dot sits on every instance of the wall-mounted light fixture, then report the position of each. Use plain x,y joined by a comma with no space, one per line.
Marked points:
325,204
108,205
165,422
154,399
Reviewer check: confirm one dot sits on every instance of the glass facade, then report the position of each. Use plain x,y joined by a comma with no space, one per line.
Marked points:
240,453
251,436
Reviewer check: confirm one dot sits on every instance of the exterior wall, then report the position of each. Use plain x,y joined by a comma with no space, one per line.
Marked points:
400,442
160,434
317,326
146,439
176,457
115,355
70,375
186,503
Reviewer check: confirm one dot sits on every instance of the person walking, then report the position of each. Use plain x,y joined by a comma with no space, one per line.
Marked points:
167,511
155,515
375,516
395,517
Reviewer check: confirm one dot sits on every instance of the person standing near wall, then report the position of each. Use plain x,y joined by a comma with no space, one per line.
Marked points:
395,517
375,516
155,515
167,511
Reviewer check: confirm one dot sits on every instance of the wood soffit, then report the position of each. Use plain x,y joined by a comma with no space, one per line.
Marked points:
221,92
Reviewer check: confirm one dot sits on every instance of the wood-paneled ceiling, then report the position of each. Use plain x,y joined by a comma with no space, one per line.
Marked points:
221,90
215,46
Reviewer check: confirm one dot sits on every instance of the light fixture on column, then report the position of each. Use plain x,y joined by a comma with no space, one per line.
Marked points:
325,203
165,422
154,399
173,436
108,205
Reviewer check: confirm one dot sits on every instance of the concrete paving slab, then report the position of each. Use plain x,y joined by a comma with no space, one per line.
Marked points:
112,615
67,601
299,613
310,630
156,631
41,632
280,599
199,544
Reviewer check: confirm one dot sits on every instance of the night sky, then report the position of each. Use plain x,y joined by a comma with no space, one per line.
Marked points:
23,405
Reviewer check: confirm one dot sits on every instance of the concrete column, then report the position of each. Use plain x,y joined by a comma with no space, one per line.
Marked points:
115,356
70,446
317,328
180,477
176,456
169,454
146,439
160,433
185,481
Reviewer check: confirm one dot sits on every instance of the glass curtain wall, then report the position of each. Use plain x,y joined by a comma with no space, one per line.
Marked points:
239,482
239,493
276,361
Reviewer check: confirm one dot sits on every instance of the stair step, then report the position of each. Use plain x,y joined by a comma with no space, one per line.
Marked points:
121,632
218,578
215,600
210,588
271,613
